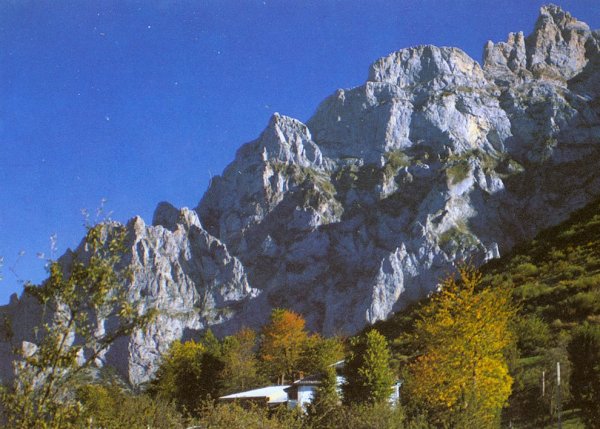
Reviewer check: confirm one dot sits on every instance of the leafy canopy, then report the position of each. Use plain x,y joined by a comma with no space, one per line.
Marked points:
369,377
461,376
282,341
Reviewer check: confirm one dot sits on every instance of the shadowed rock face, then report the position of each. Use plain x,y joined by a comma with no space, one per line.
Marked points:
346,218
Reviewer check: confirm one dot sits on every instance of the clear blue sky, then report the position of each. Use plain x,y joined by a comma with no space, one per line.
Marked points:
141,101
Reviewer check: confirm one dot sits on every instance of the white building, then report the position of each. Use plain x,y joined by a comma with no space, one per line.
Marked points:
299,394
302,392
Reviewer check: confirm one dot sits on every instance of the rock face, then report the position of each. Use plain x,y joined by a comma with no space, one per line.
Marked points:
348,217
178,268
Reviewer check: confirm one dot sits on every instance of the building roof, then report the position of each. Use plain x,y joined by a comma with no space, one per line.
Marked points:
312,380
273,394
315,379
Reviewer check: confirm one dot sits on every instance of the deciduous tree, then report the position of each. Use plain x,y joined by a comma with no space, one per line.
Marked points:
282,341
240,370
461,375
180,376
78,294
320,353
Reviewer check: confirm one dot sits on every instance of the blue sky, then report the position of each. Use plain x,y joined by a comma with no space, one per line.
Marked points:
138,102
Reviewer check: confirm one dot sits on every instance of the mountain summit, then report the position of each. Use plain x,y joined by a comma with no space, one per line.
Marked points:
348,217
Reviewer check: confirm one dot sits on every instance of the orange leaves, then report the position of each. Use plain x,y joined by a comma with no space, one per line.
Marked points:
283,340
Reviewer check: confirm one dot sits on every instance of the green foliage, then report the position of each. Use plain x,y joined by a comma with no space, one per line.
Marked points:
584,353
90,289
180,377
526,269
324,409
378,415
233,416
533,334
191,373
240,365
320,353
112,407
369,377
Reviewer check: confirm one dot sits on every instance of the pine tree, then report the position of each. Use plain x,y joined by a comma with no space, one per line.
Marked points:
369,377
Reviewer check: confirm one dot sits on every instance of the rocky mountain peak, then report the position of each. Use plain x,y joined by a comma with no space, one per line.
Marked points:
288,140
556,50
170,217
557,44
351,215
434,67
552,14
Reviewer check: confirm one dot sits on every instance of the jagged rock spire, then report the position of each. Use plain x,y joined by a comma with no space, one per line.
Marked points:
556,49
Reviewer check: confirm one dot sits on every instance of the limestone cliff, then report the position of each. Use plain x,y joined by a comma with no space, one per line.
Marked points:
346,218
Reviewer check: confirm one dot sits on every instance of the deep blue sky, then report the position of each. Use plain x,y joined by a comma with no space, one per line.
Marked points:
141,101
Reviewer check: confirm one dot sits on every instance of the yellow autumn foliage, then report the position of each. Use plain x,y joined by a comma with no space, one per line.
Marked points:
460,377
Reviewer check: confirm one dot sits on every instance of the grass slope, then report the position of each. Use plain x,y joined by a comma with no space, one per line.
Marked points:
556,282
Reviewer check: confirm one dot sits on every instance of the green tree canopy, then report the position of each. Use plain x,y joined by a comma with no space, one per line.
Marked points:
369,376
240,365
180,377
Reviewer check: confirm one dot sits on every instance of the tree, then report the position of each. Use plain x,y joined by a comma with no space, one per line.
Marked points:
78,294
460,378
212,364
180,377
584,354
240,365
369,376
320,353
282,342
320,356
324,409
532,333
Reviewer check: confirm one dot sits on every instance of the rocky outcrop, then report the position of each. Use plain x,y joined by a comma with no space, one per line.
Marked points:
348,217
178,268
556,50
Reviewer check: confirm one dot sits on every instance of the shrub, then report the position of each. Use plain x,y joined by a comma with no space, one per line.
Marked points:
532,334
111,407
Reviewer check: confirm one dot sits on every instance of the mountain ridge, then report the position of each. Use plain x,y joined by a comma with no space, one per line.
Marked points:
349,217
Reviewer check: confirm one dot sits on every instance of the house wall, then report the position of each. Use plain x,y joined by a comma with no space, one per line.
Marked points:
306,395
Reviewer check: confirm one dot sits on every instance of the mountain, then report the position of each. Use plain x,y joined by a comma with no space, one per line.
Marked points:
349,217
